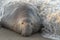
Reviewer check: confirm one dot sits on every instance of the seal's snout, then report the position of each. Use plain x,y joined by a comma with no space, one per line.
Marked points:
26,30
25,27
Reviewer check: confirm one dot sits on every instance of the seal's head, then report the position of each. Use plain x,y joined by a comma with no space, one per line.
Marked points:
27,19
24,14
23,19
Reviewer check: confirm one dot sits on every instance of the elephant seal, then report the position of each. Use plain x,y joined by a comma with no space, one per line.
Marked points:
24,19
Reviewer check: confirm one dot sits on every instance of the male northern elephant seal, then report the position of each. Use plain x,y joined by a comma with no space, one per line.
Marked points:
22,18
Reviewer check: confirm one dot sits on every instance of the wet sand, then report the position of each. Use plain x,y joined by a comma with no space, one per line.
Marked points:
6,34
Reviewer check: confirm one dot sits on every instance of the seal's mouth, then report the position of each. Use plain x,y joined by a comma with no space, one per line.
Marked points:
26,30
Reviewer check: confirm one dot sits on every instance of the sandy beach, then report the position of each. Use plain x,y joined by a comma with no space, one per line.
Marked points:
6,34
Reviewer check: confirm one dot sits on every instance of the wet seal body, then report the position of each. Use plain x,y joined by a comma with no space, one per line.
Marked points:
24,19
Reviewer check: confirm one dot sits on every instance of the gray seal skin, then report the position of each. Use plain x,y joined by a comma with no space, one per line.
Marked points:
24,19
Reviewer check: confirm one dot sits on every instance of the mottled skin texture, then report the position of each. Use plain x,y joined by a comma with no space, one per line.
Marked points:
24,19
50,16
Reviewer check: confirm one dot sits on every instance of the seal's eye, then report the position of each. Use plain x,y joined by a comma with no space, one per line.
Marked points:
22,23
31,23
